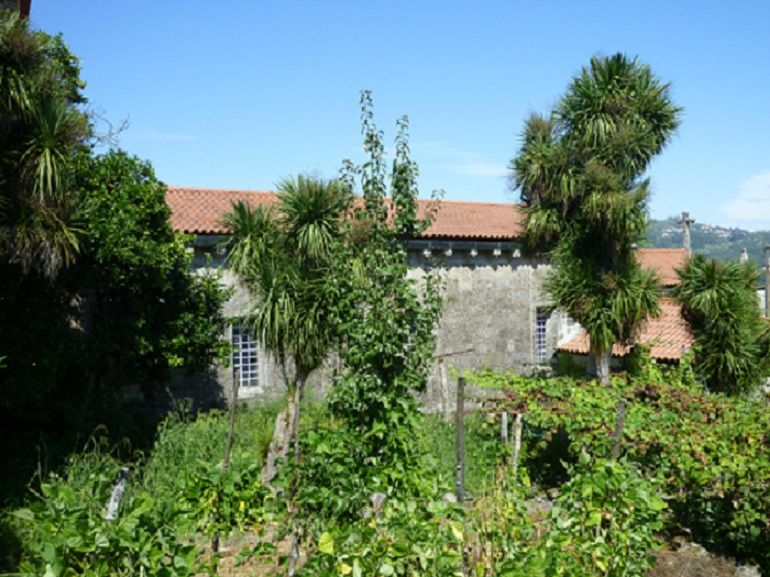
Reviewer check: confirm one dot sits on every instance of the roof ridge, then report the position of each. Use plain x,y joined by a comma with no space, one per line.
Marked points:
180,188
662,248
213,189
476,202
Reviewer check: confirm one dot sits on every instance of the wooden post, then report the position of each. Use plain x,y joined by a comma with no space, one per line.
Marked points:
231,424
617,436
504,427
517,427
460,441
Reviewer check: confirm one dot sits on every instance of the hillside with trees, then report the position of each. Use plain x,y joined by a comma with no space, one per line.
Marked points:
718,242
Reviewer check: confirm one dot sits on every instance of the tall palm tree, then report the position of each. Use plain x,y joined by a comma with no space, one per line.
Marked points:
40,129
580,171
282,254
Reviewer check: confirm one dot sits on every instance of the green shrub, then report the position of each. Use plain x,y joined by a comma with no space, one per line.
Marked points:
483,450
604,522
499,529
186,466
711,451
180,490
64,532
406,538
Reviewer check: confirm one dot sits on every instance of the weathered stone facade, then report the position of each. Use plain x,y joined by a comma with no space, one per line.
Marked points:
492,297
490,316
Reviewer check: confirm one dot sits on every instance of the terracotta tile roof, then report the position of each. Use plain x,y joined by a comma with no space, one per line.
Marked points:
663,261
199,211
476,220
666,335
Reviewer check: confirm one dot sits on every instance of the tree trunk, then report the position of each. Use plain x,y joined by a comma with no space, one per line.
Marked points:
295,529
286,423
299,390
600,368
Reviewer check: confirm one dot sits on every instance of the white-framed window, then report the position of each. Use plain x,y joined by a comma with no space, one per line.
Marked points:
245,359
541,345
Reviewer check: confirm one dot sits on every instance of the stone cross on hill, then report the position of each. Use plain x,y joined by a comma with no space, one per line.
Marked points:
686,222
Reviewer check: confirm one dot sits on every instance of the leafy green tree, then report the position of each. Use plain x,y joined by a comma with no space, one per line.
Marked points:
41,127
127,312
144,311
720,303
581,174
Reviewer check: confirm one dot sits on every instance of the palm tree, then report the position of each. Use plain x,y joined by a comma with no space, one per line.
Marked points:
719,301
40,129
580,172
282,254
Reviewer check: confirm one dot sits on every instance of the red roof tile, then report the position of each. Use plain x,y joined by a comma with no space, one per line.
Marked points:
666,335
475,220
200,210
663,261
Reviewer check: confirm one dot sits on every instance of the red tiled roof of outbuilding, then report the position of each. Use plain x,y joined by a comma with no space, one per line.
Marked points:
663,261
666,335
200,211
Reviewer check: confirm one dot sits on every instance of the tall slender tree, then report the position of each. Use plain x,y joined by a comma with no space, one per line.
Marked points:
581,172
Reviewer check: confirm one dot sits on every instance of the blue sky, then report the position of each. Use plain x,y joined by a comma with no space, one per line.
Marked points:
240,94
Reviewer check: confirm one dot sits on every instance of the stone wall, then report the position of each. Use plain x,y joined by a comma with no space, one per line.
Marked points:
491,301
491,305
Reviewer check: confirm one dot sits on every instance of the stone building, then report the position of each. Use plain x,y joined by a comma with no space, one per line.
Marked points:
496,314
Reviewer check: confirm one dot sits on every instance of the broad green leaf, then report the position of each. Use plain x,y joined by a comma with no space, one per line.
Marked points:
457,531
24,514
326,543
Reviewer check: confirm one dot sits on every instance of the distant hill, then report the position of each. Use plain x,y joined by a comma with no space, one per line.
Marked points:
717,242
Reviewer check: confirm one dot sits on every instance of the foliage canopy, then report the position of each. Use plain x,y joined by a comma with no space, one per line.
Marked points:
720,303
580,172
41,126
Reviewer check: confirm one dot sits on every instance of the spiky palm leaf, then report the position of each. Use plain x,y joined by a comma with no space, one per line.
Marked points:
40,130
311,212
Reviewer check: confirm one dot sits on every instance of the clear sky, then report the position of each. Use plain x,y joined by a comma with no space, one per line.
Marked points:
239,94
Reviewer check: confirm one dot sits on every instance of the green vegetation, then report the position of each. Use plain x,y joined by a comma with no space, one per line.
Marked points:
41,126
180,490
688,459
719,301
386,323
580,171
708,451
96,291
